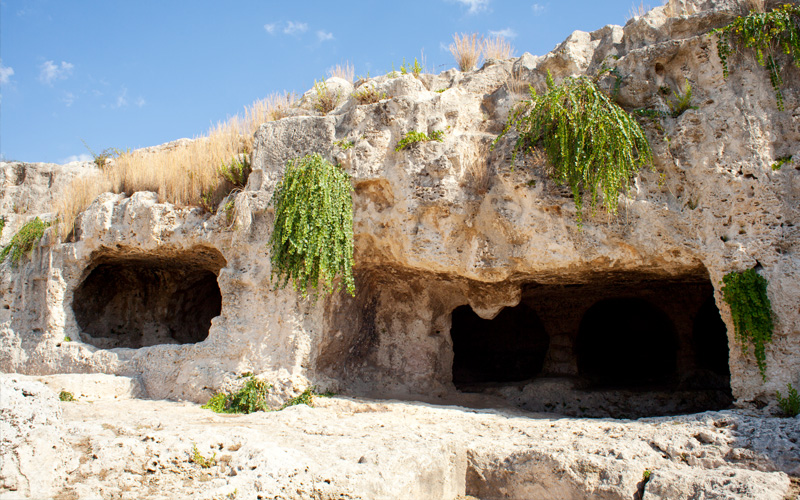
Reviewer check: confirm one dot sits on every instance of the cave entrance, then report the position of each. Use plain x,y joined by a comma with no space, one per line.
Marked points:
626,342
509,348
607,344
134,299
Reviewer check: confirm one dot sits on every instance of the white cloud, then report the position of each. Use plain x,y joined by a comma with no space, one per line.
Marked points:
293,28
68,98
475,5
270,28
80,157
140,102
538,8
51,71
324,36
5,73
505,33
122,98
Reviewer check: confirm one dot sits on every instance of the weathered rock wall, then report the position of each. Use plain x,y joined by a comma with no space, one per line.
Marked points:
442,225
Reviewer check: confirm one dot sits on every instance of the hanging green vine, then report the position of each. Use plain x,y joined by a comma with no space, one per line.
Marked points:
746,294
769,34
24,240
312,241
592,145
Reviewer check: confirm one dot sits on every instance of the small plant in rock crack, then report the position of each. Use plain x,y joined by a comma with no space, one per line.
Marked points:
66,396
414,137
326,99
682,101
199,459
344,144
790,405
250,398
368,94
780,162
23,242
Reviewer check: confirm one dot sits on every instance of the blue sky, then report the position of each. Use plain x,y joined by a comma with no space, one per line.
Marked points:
130,74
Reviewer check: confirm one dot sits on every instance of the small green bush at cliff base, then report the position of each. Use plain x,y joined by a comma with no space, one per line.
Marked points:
250,398
769,35
199,459
592,145
23,242
790,405
312,239
413,137
746,294
66,396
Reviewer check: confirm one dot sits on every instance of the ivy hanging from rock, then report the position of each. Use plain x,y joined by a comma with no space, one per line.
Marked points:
746,294
592,145
768,34
312,240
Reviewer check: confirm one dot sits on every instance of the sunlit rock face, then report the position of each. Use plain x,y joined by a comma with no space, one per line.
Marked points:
472,274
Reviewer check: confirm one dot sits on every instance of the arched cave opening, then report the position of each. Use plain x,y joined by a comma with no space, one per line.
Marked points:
605,344
626,343
509,348
134,299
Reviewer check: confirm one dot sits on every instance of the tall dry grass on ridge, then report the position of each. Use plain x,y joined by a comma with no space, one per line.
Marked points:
345,72
185,174
497,48
466,50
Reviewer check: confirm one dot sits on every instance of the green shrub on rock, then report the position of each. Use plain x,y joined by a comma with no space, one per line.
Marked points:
592,145
23,242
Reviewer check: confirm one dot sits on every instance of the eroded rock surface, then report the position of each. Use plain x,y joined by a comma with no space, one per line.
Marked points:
459,255
359,448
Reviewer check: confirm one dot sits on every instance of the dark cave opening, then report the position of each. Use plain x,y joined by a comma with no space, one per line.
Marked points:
621,344
134,299
626,342
509,348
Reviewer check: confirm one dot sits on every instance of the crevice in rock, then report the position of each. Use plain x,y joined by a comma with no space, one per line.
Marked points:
134,299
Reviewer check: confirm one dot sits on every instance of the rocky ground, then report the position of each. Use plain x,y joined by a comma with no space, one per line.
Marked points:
107,444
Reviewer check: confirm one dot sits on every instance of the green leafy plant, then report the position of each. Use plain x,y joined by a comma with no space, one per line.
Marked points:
790,405
326,99
304,398
23,242
413,137
768,34
415,69
783,160
67,338
2,225
237,171
746,294
230,211
682,101
66,396
199,459
368,94
312,241
344,144
101,159
592,145
439,91
250,398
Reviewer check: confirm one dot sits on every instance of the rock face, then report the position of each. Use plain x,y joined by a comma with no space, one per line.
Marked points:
471,273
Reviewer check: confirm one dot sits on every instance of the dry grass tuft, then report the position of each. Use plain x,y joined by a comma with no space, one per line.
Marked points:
639,11
186,173
497,48
346,72
466,50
